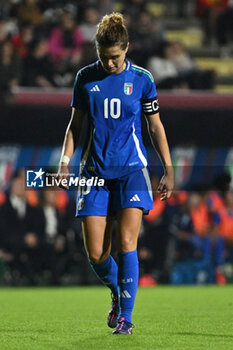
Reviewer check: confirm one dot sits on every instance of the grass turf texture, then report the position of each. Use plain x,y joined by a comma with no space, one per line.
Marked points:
173,318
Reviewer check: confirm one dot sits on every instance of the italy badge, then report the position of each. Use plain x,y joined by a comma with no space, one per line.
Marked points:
128,88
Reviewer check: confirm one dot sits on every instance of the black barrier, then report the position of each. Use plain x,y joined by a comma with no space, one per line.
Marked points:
46,125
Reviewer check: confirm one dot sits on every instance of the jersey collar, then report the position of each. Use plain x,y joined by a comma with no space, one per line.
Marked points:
127,67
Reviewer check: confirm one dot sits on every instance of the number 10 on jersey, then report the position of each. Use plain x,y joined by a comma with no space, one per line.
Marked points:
112,107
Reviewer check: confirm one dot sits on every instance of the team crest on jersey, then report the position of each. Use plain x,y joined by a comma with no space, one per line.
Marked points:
128,88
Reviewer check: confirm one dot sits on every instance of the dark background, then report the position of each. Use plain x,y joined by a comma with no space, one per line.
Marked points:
45,125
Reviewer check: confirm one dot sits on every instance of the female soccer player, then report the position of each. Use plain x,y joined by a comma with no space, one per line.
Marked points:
110,95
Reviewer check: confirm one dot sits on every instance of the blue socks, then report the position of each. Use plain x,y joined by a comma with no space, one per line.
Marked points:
122,280
107,273
128,272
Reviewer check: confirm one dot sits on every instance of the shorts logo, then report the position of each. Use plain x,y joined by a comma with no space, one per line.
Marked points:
135,198
35,178
128,88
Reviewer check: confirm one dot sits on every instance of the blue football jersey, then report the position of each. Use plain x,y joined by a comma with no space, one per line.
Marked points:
114,103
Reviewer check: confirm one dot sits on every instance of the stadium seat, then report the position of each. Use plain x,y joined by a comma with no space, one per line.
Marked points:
190,38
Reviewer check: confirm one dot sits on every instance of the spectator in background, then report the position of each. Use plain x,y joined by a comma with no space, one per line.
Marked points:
182,8
52,220
175,69
7,28
4,32
5,8
164,69
103,6
89,55
209,12
23,39
23,236
10,68
220,205
146,34
212,243
225,225
29,11
38,66
214,199
106,6
134,7
19,231
88,27
53,226
195,77
199,251
66,41
225,27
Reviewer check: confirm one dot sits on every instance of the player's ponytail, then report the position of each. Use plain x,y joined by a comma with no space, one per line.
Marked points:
112,31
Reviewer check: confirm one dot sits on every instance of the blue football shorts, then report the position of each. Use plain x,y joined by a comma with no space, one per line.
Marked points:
129,191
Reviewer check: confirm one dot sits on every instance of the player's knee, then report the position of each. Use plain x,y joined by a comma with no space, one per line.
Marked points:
127,243
97,257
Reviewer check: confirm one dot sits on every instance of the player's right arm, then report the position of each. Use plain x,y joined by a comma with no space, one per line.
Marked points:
71,139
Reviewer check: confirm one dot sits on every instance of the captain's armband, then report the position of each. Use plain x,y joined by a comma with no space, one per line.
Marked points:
150,106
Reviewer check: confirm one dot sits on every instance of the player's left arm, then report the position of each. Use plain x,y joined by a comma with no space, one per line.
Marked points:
160,144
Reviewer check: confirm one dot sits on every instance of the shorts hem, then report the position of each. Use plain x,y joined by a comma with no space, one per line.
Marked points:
93,214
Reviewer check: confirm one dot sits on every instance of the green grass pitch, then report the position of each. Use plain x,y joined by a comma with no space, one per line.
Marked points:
184,318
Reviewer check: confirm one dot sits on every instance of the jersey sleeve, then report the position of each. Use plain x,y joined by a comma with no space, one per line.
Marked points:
150,104
79,99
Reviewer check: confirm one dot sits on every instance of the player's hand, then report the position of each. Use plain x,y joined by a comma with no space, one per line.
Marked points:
63,173
166,186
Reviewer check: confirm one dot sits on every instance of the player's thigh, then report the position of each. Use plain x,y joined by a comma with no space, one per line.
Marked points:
97,234
128,226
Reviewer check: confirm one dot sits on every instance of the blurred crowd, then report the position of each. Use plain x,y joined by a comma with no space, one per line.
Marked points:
189,238
39,240
186,240
44,42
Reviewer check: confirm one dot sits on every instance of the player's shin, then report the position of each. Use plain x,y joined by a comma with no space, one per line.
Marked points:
128,272
107,272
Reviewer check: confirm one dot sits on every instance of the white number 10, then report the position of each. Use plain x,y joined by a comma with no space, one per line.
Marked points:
115,108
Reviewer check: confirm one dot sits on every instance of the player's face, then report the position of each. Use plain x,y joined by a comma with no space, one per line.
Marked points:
112,58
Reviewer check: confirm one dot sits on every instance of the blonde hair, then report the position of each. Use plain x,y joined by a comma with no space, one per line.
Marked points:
112,31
